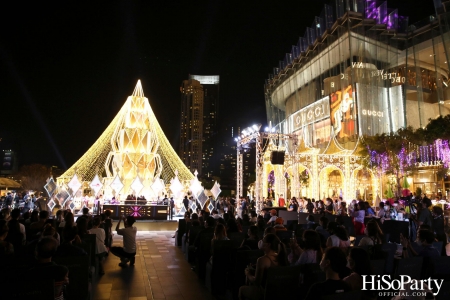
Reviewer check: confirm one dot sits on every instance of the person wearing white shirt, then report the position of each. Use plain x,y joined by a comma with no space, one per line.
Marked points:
100,248
126,253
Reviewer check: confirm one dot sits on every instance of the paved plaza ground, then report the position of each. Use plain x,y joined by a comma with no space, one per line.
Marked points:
160,272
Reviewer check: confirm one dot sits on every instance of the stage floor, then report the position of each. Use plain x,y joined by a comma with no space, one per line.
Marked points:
150,225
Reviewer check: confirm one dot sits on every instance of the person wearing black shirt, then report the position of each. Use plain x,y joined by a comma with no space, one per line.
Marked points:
329,206
333,262
310,207
186,202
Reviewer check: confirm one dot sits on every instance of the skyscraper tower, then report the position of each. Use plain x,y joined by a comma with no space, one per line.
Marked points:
198,105
191,137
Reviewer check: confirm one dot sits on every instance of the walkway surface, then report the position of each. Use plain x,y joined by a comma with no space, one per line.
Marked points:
160,272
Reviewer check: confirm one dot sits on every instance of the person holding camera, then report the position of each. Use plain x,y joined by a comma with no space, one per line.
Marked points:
126,253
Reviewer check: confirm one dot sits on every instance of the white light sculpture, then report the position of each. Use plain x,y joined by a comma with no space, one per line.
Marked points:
195,187
96,185
216,190
74,184
116,185
158,186
137,185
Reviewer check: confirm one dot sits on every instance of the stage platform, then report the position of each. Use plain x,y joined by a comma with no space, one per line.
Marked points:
140,212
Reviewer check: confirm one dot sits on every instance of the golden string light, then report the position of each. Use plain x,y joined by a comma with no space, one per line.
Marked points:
133,144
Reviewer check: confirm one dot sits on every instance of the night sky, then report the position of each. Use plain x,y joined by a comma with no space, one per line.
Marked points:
67,68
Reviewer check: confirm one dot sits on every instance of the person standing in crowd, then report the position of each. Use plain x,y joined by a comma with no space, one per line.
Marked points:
33,200
292,205
309,207
358,218
342,209
424,213
320,208
126,253
17,198
381,213
244,206
329,207
100,249
171,207
41,204
281,201
8,200
186,202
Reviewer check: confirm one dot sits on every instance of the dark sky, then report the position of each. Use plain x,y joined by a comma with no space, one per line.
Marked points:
67,67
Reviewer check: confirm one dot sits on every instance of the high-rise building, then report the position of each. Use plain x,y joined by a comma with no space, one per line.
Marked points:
9,162
199,112
191,137
227,160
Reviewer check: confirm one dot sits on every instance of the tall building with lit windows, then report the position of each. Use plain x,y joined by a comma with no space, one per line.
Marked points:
191,137
197,141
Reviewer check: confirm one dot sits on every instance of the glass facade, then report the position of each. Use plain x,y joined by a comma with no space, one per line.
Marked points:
360,69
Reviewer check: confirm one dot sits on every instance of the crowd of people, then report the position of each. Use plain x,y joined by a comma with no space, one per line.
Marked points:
342,258
30,242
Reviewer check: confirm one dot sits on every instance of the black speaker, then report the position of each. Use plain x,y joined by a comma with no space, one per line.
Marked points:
277,158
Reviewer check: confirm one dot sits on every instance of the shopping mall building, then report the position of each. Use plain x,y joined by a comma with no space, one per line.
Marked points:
360,69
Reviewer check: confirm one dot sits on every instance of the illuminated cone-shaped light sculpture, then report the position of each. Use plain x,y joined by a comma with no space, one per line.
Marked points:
132,145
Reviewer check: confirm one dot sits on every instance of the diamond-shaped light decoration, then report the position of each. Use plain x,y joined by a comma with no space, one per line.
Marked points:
193,206
202,198
116,184
74,184
50,187
158,185
216,190
137,185
210,206
72,206
64,195
176,187
182,210
51,204
96,185
196,186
